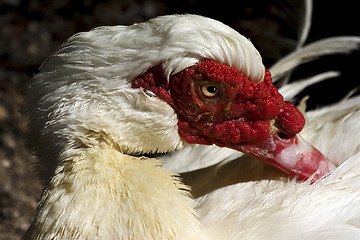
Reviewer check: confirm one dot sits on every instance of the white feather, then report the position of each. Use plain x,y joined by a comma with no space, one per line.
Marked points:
339,125
286,210
290,90
312,51
87,122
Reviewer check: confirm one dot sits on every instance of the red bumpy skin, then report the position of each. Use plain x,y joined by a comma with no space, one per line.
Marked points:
239,112
216,104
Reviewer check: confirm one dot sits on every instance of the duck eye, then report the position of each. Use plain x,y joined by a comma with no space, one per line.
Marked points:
209,90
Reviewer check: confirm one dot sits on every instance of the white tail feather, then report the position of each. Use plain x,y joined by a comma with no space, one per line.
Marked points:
290,90
312,51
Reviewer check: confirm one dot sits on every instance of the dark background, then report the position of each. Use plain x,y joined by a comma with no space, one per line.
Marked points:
32,30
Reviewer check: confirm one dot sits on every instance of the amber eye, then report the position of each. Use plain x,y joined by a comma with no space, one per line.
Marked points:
209,90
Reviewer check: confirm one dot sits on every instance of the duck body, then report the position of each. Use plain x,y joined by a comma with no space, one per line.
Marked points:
93,130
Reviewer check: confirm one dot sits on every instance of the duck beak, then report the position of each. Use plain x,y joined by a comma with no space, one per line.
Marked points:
293,156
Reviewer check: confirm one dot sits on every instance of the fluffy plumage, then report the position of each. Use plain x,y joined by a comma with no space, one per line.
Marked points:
102,193
88,135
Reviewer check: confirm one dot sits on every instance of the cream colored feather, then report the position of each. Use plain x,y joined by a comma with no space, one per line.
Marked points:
101,193
89,128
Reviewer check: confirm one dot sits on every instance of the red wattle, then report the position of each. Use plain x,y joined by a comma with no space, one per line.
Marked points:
290,119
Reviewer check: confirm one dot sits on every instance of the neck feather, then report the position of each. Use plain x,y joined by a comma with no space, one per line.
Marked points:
101,193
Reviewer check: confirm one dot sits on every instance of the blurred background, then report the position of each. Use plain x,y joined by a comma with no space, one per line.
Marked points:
31,30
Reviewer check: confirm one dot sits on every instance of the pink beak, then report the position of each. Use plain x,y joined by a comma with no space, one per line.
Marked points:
293,156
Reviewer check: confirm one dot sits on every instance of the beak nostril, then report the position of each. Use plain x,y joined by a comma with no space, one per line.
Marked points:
283,135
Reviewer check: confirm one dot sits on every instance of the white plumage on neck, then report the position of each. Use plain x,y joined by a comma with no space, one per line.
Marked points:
100,193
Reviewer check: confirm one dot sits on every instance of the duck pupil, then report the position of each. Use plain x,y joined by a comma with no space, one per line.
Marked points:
211,89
